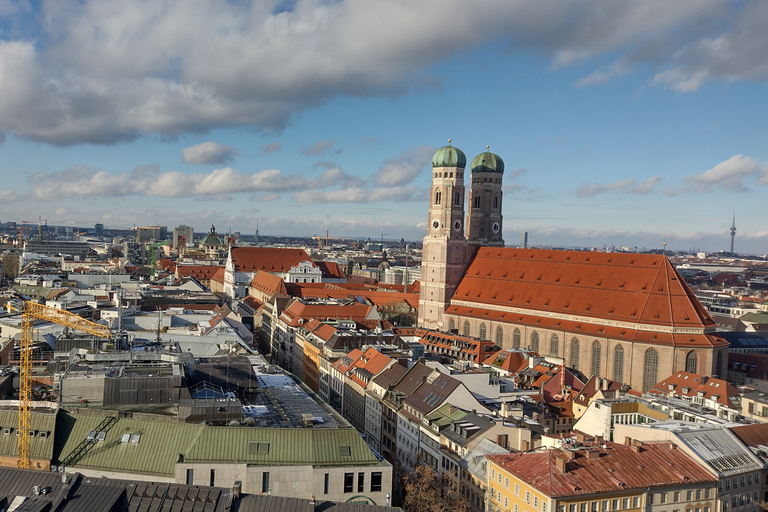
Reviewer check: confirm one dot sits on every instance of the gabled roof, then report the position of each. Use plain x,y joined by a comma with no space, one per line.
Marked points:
615,468
508,360
593,288
331,269
595,384
219,276
269,259
199,272
370,363
297,312
432,392
754,436
268,283
689,385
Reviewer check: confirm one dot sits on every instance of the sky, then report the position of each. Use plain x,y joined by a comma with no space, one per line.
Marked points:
619,123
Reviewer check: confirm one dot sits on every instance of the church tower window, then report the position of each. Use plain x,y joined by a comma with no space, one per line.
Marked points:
651,373
437,197
691,362
618,364
575,354
476,204
596,353
554,345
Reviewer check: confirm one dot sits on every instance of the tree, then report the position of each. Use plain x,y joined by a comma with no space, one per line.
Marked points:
427,492
10,267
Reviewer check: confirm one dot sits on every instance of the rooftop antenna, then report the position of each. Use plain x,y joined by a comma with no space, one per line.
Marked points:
733,230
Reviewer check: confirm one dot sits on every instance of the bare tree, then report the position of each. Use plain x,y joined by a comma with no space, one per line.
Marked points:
425,491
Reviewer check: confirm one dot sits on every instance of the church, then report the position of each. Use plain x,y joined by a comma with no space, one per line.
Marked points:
627,317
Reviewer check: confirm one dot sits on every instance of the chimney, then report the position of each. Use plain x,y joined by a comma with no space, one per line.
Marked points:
627,441
580,437
597,383
605,384
593,454
560,463
598,440
525,446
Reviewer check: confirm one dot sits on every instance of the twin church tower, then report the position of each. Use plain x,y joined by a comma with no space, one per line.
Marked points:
447,250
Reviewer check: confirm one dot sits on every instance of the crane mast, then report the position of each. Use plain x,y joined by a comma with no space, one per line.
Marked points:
30,312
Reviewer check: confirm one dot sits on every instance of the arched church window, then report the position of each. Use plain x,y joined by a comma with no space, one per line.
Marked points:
483,332
596,353
516,338
451,325
458,198
495,201
535,341
618,364
554,345
437,197
466,328
499,336
451,176
477,201
691,362
651,372
719,365
485,180
574,354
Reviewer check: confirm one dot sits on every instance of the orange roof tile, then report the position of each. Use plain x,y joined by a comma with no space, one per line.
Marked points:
268,283
615,468
689,385
269,259
204,272
589,287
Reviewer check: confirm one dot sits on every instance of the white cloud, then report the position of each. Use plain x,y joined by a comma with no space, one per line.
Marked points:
405,168
107,72
617,69
320,148
732,175
208,153
83,181
360,195
270,148
629,186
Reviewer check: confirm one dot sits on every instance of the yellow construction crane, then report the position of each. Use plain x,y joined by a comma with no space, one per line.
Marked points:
29,313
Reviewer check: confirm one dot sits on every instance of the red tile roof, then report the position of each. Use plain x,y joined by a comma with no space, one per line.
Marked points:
269,259
689,385
755,435
460,347
508,360
613,469
590,287
268,283
331,269
199,272
297,310
218,276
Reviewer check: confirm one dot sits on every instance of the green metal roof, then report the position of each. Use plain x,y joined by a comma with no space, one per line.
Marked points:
156,451
286,446
449,156
487,162
445,414
40,447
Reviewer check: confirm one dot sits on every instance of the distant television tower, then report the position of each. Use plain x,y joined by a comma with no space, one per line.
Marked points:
733,231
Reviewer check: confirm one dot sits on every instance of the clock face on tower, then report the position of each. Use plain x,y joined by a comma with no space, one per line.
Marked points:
457,225
496,227
436,224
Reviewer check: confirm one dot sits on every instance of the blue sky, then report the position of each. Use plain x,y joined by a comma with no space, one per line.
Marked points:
620,123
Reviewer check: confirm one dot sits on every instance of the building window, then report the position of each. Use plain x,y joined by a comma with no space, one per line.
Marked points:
583,507
596,354
325,483
516,338
495,201
664,497
719,365
506,502
477,201
527,497
625,503
698,494
575,354
689,495
517,490
483,331
554,345
437,197
691,362
265,482
213,478
535,342
451,325
361,482
615,505
506,483
605,506
651,372
376,482
190,476
499,336
457,201
349,479
635,501
618,364
466,328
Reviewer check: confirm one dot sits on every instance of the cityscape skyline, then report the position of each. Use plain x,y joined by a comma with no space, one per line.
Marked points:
627,124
